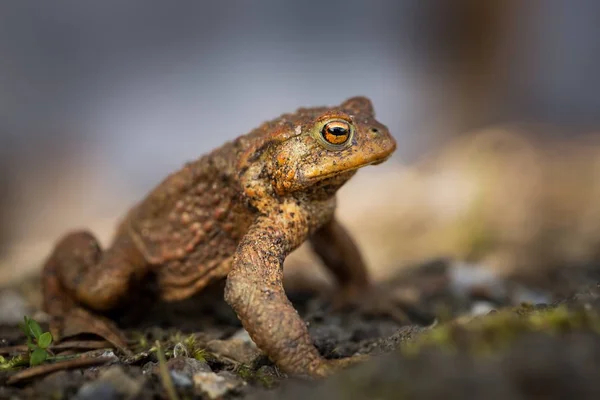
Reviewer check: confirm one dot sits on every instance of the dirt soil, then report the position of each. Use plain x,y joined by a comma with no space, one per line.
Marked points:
469,343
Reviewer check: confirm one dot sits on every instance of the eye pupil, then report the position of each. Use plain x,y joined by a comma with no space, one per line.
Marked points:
336,132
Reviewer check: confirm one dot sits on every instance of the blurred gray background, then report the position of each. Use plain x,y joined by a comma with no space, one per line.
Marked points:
100,99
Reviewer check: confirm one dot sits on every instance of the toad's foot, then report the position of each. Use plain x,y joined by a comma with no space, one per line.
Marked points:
68,317
336,248
379,301
330,367
79,321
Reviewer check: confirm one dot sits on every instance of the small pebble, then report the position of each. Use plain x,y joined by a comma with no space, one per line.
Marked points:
181,380
215,386
466,277
97,391
242,335
113,383
482,308
187,366
237,349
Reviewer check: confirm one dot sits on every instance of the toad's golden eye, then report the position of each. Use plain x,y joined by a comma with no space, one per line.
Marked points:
336,132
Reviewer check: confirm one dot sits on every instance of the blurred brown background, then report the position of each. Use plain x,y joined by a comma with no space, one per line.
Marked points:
100,100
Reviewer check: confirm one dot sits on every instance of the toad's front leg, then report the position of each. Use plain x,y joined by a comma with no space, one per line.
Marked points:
255,291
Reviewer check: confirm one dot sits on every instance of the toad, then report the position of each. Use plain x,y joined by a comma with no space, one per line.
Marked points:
233,214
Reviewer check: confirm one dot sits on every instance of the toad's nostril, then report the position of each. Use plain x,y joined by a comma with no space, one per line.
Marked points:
374,130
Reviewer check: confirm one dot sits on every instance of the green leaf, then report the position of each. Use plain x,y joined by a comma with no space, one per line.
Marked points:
34,327
37,357
45,340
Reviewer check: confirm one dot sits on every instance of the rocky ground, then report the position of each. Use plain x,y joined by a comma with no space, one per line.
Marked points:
468,334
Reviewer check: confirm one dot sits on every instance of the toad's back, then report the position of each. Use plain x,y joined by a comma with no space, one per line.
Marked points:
189,226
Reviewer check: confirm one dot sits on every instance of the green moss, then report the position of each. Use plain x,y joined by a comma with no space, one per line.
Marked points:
14,362
200,354
178,344
259,376
244,372
489,334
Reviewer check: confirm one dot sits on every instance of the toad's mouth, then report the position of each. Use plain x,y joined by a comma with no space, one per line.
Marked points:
347,170
343,170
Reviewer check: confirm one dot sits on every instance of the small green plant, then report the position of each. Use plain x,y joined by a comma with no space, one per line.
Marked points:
38,341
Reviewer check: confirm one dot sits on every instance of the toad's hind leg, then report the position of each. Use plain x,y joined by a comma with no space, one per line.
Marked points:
78,277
